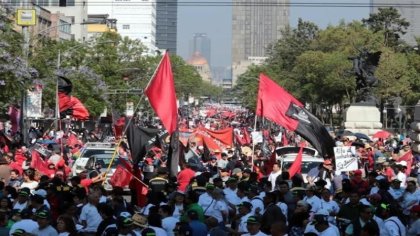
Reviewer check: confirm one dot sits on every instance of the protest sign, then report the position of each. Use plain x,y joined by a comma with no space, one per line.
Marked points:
345,159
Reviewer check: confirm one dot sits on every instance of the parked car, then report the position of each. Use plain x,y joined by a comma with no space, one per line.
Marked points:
310,158
96,156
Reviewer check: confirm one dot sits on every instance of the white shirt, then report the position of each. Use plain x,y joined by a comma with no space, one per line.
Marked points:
409,200
257,203
205,200
178,210
257,234
396,193
216,210
231,196
331,207
25,224
31,185
394,227
159,231
92,217
332,230
47,231
20,206
403,178
314,201
168,224
283,208
242,224
272,178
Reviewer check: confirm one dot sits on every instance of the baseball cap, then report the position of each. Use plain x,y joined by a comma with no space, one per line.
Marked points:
124,221
24,192
252,220
210,186
245,204
43,214
18,232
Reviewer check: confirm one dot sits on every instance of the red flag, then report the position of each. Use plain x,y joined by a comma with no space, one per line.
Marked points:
225,136
273,102
297,164
139,189
38,163
161,94
247,137
121,177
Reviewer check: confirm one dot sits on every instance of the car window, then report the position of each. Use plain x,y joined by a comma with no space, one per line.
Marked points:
96,152
105,160
306,166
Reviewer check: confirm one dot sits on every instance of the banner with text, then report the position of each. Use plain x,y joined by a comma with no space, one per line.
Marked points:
345,158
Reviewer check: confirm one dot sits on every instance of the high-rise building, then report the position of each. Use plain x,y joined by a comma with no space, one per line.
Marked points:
255,25
201,43
166,24
136,19
409,10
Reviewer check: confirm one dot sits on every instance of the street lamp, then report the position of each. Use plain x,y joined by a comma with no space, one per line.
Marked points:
385,113
399,111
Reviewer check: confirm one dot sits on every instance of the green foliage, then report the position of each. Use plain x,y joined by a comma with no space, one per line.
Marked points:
388,21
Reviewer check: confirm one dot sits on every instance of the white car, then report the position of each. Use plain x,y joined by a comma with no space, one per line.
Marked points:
310,159
93,154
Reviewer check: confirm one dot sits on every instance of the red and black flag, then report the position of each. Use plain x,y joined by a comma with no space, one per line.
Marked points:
141,140
279,106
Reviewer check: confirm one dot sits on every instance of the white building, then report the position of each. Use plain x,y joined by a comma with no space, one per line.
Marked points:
76,11
136,19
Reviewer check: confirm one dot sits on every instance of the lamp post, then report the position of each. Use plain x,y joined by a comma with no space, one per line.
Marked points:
385,114
399,111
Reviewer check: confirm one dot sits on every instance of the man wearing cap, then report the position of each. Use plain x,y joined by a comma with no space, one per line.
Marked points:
124,226
26,222
206,198
253,225
414,228
312,199
158,183
321,226
395,189
139,223
90,217
198,227
230,191
244,210
401,169
22,200
44,228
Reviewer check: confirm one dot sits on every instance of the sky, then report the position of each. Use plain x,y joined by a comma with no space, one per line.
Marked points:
216,22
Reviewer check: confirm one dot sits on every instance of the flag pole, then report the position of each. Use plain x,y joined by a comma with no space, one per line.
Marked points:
253,143
130,120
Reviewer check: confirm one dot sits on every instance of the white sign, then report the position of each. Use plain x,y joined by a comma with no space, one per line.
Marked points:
345,159
256,137
34,103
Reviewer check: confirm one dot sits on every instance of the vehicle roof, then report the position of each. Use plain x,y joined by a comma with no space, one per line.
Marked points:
99,145
305,158
294,150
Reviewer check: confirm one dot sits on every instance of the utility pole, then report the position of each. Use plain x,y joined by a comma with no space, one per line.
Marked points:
25,48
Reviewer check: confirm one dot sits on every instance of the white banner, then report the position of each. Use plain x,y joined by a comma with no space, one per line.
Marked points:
345,159
34,103
256,137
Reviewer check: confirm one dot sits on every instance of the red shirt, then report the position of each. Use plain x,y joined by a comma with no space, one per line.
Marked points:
184,178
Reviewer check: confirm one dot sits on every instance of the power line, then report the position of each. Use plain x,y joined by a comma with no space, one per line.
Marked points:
245,3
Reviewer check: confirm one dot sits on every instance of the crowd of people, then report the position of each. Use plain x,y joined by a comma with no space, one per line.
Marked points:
228,192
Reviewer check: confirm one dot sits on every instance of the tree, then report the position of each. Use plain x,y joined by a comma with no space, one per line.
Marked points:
389,22
15,74
394,74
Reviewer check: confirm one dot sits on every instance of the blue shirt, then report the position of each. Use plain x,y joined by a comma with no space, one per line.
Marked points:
198,228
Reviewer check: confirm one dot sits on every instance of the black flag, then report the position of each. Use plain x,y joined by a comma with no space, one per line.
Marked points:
312,129
176,154
140,140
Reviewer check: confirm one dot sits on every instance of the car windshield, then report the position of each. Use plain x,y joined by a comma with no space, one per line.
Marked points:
104,161
97,152
306,166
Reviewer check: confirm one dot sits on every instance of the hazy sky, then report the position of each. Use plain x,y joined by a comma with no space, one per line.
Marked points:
216,22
